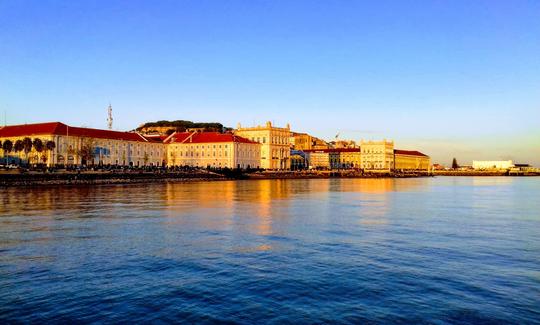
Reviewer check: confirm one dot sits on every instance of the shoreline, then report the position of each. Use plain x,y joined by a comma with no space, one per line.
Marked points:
102,178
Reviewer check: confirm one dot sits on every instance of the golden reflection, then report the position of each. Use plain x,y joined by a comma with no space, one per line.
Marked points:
216,199
260,202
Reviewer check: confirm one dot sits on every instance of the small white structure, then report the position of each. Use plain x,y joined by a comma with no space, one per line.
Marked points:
492,164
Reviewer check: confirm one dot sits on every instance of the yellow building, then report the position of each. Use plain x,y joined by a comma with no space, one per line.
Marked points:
212,149
411,160
341,158
304,141
377,155
80,146
275,144
346,158
318,159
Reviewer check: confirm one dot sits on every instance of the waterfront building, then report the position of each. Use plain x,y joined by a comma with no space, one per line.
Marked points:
377,155
492,164
343,144
411,160
82,146
304,141
275,144
318,159
212,149
334,158
298,160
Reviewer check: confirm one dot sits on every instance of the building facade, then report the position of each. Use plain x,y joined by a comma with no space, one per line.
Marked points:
275,144
492,164
212,149
81,146
377,155
411,160
304,141
336,158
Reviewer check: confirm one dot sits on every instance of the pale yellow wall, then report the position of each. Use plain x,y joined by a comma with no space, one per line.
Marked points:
33,156
411,162
120,152
220,154
318,159
345,159
275,144
301,142
377,155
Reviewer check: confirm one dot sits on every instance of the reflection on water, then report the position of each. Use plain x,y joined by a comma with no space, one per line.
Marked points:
330,250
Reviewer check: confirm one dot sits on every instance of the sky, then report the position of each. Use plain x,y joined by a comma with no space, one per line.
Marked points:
449,78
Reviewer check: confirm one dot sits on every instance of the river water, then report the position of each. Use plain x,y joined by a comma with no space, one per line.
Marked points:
438,250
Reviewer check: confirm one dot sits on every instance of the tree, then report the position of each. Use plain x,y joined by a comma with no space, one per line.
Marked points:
38,145
27,147
87,150
18,146
50,145
7,146
455,164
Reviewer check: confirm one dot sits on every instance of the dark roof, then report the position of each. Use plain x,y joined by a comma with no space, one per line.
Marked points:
57,128
409,153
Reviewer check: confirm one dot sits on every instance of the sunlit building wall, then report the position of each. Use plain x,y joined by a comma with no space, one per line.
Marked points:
342,158
106,147
212,149
411,160
492,164
275,144
377,155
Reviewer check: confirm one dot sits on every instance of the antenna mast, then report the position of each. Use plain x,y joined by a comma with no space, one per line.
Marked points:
110,118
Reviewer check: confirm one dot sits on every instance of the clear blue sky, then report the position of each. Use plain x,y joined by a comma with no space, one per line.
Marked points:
450,78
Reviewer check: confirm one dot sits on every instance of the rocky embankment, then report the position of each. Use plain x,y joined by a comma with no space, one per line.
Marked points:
73,178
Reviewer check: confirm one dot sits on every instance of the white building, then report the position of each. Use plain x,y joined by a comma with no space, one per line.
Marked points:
492,164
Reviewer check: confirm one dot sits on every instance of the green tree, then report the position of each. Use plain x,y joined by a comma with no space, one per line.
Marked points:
87,150
49,146
7,146
38,145
18,146
454,164
27,147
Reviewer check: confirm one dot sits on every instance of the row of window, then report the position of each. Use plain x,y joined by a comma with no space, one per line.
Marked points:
275,140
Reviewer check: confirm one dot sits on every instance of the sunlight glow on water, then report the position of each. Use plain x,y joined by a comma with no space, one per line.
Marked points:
448,250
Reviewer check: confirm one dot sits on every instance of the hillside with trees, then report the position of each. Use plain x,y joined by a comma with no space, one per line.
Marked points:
168,127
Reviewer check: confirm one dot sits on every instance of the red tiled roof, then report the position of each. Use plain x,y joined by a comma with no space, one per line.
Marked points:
57,128
409,152
333,150
206,137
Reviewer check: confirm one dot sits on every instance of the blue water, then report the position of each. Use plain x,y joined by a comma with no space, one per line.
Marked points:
431,250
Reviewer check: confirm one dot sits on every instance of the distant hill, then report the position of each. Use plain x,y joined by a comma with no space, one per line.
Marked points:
168,127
